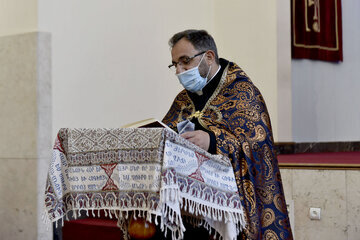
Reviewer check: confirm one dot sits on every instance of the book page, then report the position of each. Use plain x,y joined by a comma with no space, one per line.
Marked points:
147,123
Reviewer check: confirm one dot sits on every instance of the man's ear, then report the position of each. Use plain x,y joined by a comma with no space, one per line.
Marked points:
210,56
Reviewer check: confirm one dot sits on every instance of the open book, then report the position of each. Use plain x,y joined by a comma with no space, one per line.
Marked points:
147,123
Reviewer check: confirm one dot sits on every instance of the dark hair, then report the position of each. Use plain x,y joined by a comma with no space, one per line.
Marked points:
200,39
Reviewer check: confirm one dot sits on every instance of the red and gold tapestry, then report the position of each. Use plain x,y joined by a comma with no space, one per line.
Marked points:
316,30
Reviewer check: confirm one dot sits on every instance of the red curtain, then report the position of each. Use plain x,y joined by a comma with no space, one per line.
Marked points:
316,29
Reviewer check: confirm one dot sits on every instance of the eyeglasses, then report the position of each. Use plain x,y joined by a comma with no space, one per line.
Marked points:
183,61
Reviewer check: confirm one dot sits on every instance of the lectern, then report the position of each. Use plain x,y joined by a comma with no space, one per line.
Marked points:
151,173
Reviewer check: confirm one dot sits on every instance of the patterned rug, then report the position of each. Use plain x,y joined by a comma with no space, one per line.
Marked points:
151,172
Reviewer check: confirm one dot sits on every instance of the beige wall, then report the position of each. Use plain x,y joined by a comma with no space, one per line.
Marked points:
18,16
336,192
111,70
245,32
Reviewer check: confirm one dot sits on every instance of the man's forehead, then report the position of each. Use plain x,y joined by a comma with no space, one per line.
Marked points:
183,48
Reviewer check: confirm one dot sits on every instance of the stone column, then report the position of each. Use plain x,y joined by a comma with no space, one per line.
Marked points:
25,133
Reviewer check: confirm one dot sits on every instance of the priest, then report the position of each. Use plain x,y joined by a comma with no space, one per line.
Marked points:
227,115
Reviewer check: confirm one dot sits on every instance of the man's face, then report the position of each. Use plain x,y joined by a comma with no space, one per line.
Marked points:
184,49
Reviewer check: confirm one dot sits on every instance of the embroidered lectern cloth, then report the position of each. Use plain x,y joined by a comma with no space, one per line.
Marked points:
150,171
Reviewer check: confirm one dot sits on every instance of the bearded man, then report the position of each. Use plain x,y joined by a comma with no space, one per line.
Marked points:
230,118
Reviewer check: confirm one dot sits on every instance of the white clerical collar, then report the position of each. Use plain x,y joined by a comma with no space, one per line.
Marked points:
214,75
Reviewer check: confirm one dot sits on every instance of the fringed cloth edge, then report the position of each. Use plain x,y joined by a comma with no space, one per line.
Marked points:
166,215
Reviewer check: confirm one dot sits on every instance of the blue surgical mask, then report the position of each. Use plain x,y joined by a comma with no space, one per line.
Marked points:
192,80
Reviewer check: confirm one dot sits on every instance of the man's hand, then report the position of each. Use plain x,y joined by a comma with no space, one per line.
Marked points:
199,138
